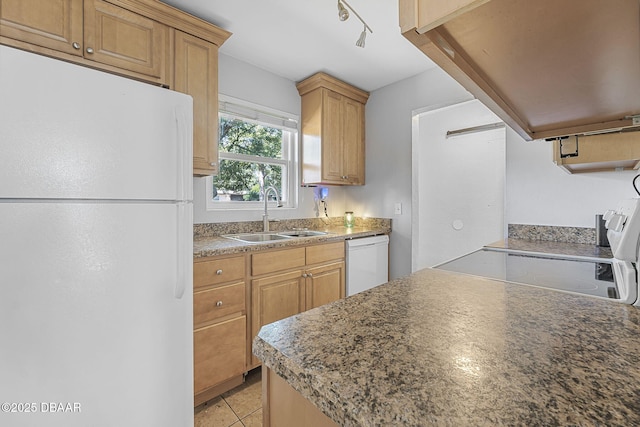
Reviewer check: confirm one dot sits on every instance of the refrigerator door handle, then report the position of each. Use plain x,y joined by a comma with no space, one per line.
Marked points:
181,279
184,131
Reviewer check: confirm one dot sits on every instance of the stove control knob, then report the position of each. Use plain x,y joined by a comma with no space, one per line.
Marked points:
616,223
608,214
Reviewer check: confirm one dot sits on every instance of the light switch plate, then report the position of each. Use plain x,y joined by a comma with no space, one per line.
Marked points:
398,209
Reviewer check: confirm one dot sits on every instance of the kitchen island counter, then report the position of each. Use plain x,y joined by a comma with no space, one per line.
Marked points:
440,348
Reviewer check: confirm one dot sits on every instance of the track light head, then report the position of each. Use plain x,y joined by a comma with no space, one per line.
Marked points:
343,13
363,35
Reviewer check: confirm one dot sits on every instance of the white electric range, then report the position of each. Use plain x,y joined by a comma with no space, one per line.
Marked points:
608,278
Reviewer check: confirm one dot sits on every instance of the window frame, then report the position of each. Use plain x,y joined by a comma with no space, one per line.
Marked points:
235,108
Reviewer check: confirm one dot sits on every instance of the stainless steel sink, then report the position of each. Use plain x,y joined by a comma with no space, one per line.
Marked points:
302,233
270,237
257,237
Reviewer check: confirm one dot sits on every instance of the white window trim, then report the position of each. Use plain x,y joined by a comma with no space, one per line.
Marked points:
255,113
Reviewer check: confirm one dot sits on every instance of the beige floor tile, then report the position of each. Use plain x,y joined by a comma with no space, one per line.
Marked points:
216,413
246,398
253,420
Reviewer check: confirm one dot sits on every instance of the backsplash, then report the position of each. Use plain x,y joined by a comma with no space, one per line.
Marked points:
553,233
218,228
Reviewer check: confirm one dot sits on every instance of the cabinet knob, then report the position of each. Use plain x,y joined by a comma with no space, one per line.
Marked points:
310,274
304,275
219,304
75,45
213,163
89,50
219,272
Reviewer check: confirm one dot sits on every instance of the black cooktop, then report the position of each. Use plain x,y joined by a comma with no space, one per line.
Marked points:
579,275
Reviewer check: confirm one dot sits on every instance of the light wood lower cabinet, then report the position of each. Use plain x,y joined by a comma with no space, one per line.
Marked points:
324,284
220,326
289,281
228,314
275,297
282,405
219,354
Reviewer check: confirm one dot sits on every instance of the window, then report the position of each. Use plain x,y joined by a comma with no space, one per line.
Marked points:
257,149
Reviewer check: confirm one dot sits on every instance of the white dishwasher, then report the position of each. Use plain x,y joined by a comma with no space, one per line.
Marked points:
367,263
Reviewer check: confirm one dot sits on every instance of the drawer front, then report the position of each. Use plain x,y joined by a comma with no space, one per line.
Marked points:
272,261
219,353
218,302
218,271
326,252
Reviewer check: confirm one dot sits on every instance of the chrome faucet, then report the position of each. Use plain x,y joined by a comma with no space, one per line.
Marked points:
265,216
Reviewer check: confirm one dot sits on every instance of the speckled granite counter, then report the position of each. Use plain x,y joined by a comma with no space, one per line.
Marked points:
439,348
548,247
218,245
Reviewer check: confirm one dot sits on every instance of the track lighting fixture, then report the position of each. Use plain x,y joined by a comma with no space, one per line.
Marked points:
343,15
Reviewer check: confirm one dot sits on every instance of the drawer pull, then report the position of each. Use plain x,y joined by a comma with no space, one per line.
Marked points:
219,272
219,304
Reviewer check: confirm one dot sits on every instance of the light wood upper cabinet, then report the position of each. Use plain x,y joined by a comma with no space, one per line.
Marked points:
143,39
547,68
196,74
89,32
425,15
123,39
598,153
51,24
333,135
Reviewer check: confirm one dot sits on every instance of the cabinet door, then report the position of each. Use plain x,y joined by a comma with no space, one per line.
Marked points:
219,352
353,141
324,284
196,74
332,140
123,39
54,24
274,298
425,15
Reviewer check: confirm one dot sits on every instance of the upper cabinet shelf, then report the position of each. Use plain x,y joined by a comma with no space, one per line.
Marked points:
547,68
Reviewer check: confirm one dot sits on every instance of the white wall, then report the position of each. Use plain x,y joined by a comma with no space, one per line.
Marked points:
247,82
539,192
458,184
388,155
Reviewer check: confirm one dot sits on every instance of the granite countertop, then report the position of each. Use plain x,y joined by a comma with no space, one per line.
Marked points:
549,247
440,348
218,245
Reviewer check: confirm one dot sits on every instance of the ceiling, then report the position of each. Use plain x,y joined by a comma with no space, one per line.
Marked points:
297,38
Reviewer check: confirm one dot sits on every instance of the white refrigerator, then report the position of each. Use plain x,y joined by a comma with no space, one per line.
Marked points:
96,253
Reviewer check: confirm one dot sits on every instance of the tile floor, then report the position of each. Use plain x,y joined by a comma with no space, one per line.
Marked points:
240,407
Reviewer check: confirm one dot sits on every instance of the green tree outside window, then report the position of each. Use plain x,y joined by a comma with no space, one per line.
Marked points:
240,179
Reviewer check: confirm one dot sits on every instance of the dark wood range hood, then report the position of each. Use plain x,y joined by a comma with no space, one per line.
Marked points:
548,68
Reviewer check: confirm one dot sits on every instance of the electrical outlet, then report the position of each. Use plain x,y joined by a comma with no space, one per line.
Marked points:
398,208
